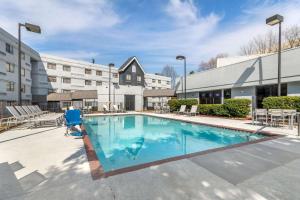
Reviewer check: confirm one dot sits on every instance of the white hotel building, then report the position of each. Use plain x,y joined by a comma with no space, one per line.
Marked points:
61,77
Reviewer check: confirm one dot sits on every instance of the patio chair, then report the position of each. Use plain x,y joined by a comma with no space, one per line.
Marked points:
40,110
157,109
260,115
29,112
105,109
17,117
24,113
115,109
193,111
73,118
276,116
290,114
182,109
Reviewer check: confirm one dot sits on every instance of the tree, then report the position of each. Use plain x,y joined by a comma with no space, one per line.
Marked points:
211,63
292,36
170,71
268,43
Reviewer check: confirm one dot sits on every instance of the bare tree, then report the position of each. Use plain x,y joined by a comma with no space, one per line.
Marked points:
268,43
170,71
211,63
292,36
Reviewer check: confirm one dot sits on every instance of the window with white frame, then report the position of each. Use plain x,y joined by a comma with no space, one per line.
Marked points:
88,82
153,81
23,55
88,71
51,79
10,86
51,65
23,72
66,80
66,68
139,79
159,81
10,67
128,77
9,48
98,83
23,88
99,73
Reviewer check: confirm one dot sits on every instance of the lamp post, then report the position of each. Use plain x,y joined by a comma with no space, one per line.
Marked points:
110,65
31,28
277,19
180,57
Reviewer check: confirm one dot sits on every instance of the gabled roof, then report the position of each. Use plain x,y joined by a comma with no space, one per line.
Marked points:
128,62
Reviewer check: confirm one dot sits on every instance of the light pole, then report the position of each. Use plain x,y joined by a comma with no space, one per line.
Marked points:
31,28
180,57
277,19
110,65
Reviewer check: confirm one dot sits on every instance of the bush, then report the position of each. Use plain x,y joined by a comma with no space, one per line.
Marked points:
284,102
176,103
237,107
212,109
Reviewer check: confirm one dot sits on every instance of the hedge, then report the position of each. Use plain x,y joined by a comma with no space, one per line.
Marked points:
237,107
212,109
284,102
176,103
230,108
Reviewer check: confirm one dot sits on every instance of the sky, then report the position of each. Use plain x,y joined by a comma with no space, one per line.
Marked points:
155,31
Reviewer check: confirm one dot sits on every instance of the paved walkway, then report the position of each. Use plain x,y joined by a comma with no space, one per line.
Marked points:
44,164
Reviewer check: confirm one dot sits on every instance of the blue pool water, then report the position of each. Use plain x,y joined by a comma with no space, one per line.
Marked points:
124,141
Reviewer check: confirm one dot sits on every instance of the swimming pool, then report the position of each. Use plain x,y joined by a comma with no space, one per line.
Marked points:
130,140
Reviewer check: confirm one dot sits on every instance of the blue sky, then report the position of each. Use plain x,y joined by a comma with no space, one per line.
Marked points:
153,30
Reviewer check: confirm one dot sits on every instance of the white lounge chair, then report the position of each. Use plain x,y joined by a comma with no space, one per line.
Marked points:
116,109
22,118
105,109
260,115
182,109
24,113
193,110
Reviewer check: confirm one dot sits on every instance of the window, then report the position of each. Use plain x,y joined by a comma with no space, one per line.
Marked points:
67,68
51,79
23,87
139,79
99,73
128,77
153,88
98,83
88,71
23,55
51,65
227,94
10,86
52,91
9,48
159,81
133,69
88,82
168,82
159,88
66,80
115,75
153,81
23,72
66,91
10,67
210,97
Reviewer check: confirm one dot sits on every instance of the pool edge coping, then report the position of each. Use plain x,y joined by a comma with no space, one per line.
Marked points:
97,171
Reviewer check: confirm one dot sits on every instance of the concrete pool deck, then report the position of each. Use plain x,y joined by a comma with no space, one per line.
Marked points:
44,164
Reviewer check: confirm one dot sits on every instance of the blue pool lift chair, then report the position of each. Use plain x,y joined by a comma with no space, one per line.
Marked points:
73,118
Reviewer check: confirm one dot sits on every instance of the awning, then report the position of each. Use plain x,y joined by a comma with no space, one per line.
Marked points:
159,93
79,94
59,97
85,94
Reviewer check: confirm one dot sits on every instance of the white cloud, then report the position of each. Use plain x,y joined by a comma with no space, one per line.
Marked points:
57,16
76,54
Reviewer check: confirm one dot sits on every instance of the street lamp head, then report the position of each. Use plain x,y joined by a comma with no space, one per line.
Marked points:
33,28
276,19
180,57
111,64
